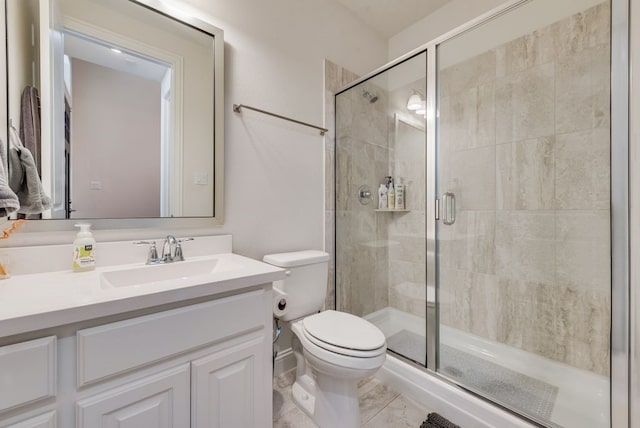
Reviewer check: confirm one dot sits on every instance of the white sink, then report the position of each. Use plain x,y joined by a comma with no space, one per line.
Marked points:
163,272
42,295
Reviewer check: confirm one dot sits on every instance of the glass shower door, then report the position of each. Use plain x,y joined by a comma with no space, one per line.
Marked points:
523,241
380,247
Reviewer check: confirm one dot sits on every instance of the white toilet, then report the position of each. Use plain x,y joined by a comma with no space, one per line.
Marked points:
334,349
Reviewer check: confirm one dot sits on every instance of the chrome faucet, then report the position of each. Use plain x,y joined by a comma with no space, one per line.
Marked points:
171,250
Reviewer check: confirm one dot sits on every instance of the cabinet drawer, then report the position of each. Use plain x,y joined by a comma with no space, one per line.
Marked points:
118,347
27,372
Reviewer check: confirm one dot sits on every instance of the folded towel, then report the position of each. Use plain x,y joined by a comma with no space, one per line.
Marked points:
24,179
8,199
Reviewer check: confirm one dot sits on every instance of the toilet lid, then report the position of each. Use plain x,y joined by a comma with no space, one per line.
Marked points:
344,331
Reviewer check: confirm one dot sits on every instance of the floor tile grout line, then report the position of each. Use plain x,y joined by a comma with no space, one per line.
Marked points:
381,409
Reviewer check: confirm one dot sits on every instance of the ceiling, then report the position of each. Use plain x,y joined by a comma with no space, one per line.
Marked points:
389,17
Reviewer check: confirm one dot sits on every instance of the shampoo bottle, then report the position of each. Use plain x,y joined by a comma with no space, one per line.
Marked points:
400,196
391,197
84,247
382,197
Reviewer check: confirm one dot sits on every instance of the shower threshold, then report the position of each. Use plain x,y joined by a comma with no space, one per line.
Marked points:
571,397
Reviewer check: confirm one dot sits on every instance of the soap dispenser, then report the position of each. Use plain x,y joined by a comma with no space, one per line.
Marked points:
84,247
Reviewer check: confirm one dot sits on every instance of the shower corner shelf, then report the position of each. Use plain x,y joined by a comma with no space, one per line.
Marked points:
387,210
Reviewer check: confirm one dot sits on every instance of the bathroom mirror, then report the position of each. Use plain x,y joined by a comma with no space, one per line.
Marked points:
130,94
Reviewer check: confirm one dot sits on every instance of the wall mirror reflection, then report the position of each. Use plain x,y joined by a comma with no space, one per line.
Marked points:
115,100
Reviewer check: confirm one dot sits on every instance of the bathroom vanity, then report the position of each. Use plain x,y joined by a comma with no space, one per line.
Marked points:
136,345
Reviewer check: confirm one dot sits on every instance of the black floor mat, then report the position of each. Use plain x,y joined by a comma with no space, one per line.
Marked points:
435,420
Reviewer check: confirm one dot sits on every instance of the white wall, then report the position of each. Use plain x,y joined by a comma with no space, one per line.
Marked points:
115,141
443,20
274,59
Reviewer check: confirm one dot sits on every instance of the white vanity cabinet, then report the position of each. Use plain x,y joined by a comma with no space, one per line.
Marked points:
203,364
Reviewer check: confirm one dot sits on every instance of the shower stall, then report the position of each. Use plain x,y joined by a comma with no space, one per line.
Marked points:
496,274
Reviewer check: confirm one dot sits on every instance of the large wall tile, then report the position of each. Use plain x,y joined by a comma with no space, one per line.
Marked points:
409,297
455,298
471,176
468,74
529,50
582,170
526,175
574,97
583,250
525,104
471,242
525,246
583,30
471,122
410,248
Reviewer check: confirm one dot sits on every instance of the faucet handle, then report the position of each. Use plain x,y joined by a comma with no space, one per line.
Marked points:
153,252
179,256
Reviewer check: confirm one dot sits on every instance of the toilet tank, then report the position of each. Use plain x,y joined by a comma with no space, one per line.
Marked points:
306,281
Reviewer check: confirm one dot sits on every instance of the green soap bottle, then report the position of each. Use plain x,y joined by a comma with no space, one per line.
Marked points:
84,247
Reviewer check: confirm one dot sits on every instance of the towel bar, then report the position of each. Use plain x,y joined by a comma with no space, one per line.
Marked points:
237,107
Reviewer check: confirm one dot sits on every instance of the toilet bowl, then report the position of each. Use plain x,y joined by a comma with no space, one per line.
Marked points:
334,350
328,372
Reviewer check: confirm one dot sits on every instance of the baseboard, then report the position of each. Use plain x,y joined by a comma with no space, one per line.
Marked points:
285,361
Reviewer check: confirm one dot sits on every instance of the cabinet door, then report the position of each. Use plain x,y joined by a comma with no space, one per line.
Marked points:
27,372
158,401
46,420
232,388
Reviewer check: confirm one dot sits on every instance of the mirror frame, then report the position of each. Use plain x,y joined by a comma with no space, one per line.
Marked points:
188,18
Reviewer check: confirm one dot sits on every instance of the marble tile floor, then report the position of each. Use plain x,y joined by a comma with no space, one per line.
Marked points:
380,406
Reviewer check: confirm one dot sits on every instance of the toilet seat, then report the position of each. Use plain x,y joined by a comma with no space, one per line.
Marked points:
344,334
338,359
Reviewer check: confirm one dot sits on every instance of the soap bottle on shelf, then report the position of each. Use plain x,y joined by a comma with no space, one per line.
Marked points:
84,247
382,197
400,196
391,196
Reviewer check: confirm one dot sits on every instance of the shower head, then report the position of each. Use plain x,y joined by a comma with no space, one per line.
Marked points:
370,96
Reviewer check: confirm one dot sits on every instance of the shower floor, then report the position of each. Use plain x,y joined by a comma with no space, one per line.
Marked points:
542,388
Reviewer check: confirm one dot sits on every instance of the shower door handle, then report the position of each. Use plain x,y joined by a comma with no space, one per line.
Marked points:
449,208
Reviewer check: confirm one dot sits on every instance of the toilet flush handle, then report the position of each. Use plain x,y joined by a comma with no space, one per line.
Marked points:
287,272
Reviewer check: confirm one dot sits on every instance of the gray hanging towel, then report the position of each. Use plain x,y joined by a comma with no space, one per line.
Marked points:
24,179
30,124
8,199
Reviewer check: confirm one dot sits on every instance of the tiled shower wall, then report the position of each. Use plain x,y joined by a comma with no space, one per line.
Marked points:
362,159
382,254
524,144
406,231
335,77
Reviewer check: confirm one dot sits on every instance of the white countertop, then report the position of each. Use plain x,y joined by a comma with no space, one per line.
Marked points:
35,301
